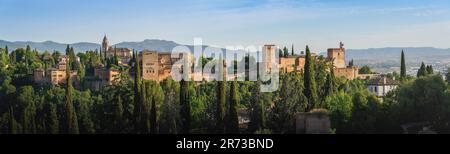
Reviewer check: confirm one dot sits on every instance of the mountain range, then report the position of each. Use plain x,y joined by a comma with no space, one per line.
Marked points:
158,45
374,57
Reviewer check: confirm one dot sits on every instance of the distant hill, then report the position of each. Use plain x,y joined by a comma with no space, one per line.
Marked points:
427,54
148,44
158,45
49,45
388,59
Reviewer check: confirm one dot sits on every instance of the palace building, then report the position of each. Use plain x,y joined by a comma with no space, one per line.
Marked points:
56,75
337,56
124,54
155,65
296,63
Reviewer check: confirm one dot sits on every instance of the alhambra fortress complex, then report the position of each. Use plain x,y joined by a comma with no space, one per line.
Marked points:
157,65
296,63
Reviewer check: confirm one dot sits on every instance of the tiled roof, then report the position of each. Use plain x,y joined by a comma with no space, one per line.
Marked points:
382,81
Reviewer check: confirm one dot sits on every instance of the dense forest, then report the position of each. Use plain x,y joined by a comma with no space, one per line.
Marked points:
132,105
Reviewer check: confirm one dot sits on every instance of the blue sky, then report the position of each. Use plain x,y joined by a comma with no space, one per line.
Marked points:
319,23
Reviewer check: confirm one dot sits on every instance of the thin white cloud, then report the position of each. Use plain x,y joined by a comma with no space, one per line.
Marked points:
428,13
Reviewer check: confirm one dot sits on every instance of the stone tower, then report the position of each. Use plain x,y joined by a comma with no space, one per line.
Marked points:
338,56
105,44
268,53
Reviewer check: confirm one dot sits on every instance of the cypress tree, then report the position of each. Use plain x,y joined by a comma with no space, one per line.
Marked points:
145,110
6,50
13,57
12,122
233,122
7,55
351,63
329,84
28,53
293,51
447,76
118,115
286,52
137,97
430,69
403,67
116,59
72,61
185,106
29,122
51,119
221,99
309,81
27,58
153,119
67,50
71,116
257,109
422,71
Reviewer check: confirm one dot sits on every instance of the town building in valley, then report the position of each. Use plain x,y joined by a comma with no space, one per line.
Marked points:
382,85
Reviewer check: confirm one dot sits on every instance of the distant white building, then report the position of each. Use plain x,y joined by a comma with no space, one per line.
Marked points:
382,85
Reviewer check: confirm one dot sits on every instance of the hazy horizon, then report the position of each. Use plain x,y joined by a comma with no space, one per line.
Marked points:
297,48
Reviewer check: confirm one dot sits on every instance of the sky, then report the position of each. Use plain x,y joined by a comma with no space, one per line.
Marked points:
321,24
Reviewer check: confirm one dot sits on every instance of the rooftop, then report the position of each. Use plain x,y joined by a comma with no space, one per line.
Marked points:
382,81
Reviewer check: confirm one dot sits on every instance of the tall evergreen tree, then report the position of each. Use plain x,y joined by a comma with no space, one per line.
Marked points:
329,84
286,51
12,122
137,97
309,81
257,109
29,119
68,50
153,120
221,99
293,51
145,110
403,67
27,54
116,59
351,63
118,115
7,59
233,122
422,71
430,69
447,76
185,106
51,119
12,57
71,116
